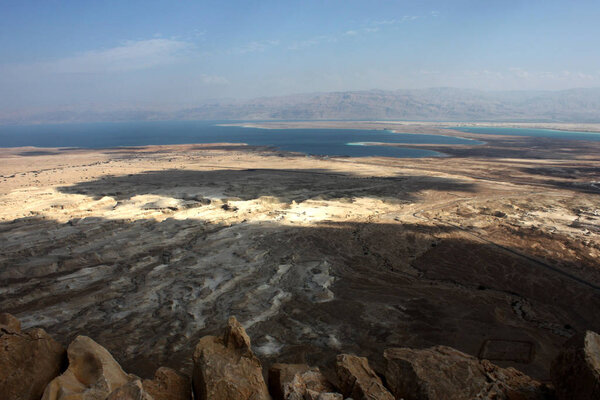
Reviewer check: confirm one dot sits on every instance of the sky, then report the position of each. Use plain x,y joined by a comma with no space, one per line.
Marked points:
147,54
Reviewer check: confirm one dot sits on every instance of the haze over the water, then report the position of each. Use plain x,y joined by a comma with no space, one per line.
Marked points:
57,56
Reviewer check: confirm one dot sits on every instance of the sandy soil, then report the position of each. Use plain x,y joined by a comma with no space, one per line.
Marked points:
493,250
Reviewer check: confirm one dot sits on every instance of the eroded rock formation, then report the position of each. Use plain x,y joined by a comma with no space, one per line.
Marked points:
358,380
92,374
168,385
225,367
9,322
576,371
445,373
132,390
296,382
28,360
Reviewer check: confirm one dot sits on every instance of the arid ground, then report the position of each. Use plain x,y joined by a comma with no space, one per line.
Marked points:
493,250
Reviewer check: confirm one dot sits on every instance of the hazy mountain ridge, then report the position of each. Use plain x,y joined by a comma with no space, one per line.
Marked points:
435,104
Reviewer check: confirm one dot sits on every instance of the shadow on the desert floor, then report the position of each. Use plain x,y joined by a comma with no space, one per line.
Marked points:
563,171
579,178
54,152
34,153
247,184
147,290
524,148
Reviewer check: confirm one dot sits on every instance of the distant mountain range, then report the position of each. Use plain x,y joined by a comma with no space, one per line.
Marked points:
435,104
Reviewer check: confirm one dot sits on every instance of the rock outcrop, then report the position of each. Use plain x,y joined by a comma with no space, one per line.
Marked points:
576,370
314,395
132,390
92,374
445,373
296,382
28,360
168,385
225,367
9,322
358,380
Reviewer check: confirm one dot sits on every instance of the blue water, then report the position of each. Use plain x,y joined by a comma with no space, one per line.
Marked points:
326,142
548,133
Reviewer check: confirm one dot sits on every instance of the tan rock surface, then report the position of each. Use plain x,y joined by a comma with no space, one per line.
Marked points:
130,391
358,380
225,367
293,381
443,373
168,385
576,370
28,360
314,395
92,373
9,322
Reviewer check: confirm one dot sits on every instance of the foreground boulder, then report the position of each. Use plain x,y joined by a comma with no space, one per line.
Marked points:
9,323
28,360
314,395
576,370
132,390
297,382
225,367
358,380
445,373
168,385
92,374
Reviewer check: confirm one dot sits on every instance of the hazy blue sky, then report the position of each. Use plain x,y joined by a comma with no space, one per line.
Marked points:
109,54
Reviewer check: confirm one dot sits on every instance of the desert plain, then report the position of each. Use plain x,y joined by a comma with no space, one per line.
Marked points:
493,249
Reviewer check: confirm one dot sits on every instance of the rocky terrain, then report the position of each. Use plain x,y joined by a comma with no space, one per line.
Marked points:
32,364
492,251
